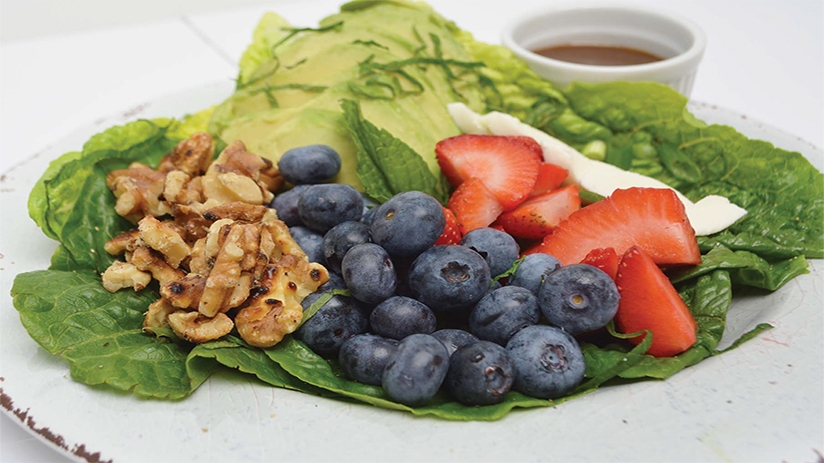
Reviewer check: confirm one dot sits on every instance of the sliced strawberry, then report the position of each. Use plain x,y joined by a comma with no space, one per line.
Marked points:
497,226
651,218
474,205
531,144
506,165
451,232
550,177
537,216
605,259
650,302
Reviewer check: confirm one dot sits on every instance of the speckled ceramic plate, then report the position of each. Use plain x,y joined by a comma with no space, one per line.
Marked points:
760,402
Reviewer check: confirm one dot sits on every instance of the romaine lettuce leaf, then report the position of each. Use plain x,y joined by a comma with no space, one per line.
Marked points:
100,334
269,31
781,190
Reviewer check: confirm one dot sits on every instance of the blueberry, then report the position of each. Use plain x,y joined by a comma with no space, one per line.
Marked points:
339,319
309,164
548,361
454,338
368,215
400,316
480,373
335,282
339,239
503,312
321,207
286,205
369,273
578,298
369,208
310,241
417,370
498,248
449,278
363,357
532,270
408,224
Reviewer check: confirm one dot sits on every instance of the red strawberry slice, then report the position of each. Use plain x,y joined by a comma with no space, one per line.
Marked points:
550,177
651,218
605,259
497,226
537,216
650,302
474,205
508,166
451,232
531,144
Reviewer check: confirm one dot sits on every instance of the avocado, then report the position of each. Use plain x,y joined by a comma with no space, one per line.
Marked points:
398,59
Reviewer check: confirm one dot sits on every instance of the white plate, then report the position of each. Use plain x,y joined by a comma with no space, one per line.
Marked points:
762,401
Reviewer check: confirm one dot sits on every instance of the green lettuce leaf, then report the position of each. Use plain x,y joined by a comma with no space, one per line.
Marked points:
100,334
708,297
745,268
72,203
232,352
270,30
781,190
304,364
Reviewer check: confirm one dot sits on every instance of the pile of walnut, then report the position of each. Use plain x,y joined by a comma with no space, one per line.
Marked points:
221,257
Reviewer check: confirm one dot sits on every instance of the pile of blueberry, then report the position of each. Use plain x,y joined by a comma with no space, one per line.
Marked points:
424,317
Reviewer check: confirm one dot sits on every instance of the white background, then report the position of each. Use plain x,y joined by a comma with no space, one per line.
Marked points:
64,64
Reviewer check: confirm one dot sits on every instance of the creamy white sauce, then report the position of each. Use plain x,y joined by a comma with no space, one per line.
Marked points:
710,215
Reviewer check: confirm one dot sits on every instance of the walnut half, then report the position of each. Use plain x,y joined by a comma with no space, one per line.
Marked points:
196,328
273,310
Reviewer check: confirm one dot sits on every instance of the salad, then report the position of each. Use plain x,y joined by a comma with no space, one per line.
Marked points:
288,95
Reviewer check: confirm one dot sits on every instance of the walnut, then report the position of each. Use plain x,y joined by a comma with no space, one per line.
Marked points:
149,260
199,262
138,190
278,233
186,292
236,211
158,314
164,238
229,186
273,310
189,218
235,176
121,275
270,176
191,156
216,236
220,245
226,286
126,241
194,327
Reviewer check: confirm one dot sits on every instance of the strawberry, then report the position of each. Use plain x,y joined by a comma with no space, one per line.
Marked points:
650,302
537,216
508,166
531,144
605,259
497,226
451,232
550,177
474,205
651,218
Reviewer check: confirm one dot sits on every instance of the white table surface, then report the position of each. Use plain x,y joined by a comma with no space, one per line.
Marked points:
764,60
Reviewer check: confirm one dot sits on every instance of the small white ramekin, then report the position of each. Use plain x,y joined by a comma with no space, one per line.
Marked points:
680,42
